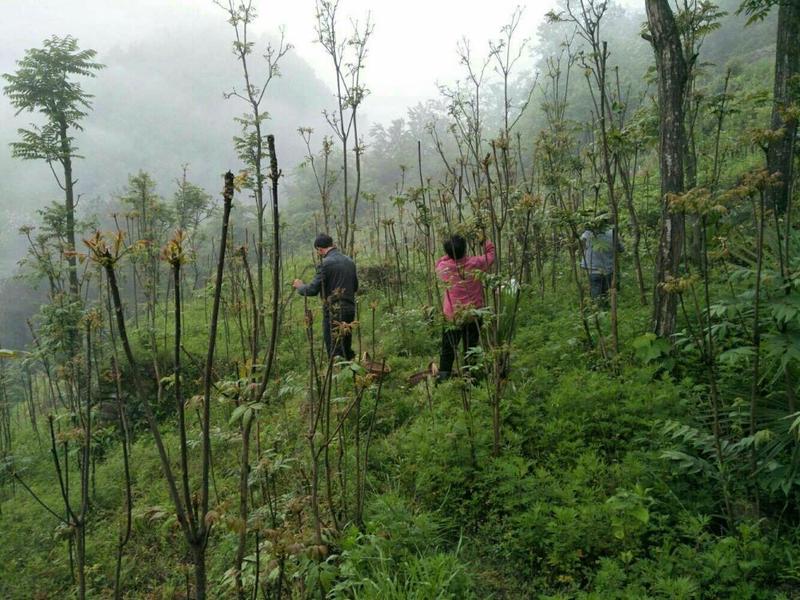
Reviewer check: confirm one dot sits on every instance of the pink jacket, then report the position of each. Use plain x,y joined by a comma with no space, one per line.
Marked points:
463,290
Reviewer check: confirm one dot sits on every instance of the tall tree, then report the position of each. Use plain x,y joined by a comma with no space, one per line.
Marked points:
665,38
250,145
348,54
786,93
46,82
192,205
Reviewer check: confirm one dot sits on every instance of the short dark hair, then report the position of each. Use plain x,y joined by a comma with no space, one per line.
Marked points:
455,247
323,240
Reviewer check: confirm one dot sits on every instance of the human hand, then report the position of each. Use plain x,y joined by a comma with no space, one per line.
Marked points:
479,229
297,283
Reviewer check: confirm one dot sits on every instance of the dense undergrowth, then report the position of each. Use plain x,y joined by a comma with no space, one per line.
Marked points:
581,503
620,451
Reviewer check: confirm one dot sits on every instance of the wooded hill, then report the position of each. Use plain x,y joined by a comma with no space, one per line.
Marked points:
175,428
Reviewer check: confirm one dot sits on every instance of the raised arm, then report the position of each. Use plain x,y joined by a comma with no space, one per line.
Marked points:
485,260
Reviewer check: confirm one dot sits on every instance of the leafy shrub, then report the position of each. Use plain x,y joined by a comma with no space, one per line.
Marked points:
399,557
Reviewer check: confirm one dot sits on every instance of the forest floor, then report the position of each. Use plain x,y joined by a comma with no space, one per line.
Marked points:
580,502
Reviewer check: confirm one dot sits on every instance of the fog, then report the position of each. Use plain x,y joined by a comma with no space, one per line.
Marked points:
158,105
159,102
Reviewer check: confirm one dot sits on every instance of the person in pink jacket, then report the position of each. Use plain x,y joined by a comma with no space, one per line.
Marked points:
463,291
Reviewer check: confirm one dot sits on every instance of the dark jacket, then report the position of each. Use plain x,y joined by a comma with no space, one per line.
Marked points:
335,280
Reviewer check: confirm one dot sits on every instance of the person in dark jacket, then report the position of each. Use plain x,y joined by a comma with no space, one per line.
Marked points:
336,282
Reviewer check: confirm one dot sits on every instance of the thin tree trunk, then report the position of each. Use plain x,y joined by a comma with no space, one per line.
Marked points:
69,208
203,528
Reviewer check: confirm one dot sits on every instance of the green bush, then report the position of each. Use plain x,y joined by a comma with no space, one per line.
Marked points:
401,556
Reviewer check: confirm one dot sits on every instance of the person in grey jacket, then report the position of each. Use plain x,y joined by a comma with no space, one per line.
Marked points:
598,259
336,281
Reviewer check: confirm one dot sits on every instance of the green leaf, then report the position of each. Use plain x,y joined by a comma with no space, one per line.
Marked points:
642,514
785,310
238,413
735,355
649,347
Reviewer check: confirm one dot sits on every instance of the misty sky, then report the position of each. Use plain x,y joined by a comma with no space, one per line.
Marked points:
159,103
413,46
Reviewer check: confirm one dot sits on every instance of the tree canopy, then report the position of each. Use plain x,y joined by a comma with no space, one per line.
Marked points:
47,82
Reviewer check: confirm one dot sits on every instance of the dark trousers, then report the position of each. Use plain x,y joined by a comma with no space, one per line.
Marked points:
599,284
469,334
338,340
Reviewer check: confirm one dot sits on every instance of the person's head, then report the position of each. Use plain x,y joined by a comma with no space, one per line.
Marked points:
455,247
603,222
323,243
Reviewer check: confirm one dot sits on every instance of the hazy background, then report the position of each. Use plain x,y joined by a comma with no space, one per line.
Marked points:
159,103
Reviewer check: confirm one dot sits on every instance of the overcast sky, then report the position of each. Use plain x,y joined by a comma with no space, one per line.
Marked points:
159,104
412,48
